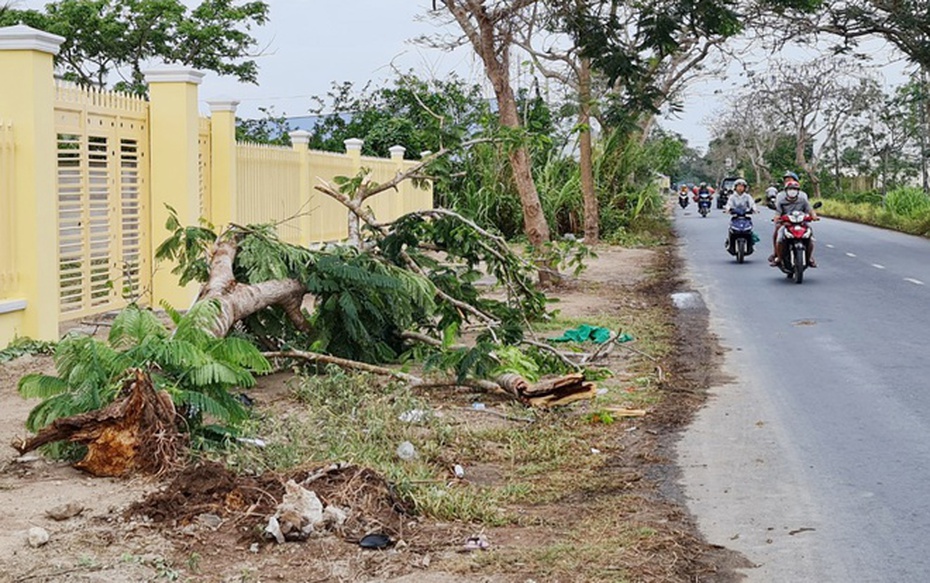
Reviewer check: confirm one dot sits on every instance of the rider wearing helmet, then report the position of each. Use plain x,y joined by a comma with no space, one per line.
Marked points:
740,199
701,189
791,199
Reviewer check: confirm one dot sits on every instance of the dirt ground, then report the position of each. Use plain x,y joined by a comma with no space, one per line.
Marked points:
202,525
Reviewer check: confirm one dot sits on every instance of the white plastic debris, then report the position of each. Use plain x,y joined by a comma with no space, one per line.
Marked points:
459,471
299,513
406,451
252,441
334,516
414,416
273,529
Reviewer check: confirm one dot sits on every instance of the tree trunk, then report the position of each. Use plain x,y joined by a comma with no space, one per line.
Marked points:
487,30
137,433
534,220
592,231
238,300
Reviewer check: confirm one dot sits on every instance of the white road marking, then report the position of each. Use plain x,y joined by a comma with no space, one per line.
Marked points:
830,246
877,266
850,255
914,281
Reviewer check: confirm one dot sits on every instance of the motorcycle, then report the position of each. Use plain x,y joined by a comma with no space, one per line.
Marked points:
795,247
740,237
722,197
771,193
683,199
703,201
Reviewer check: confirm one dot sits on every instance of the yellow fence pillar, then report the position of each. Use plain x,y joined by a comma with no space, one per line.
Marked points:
399,196
175,172
354,152
28,102
300,140
223,164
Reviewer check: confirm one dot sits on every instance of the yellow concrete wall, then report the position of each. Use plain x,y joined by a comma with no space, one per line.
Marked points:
268,189
175,168
276,183
8,273
27,101
184,160
11,312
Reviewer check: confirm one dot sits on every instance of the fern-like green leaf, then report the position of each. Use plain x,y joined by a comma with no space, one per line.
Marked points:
134,325
213,373
204,404
240,352
40,386
196,324
50,409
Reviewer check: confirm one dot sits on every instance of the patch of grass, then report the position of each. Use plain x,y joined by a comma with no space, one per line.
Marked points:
354,418
23,345
876,215
459,503
604,544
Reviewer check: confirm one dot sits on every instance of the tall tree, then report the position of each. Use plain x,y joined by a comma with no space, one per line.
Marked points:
114,38
814,101
889,136
905,24
490,27
751,131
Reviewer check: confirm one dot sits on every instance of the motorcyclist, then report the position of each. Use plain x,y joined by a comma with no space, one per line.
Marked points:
740,199
791,199
787,177
770,194
701,189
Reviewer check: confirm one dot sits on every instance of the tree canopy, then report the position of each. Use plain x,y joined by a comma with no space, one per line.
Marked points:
106,39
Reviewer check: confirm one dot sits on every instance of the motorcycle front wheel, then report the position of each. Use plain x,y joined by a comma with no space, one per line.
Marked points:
740,250
799,263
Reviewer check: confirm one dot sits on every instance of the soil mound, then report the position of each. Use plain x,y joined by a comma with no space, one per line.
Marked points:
372,504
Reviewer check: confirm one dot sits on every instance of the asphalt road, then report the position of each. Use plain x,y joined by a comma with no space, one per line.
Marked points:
814,461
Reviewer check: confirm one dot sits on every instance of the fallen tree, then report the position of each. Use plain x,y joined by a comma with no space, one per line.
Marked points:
405,290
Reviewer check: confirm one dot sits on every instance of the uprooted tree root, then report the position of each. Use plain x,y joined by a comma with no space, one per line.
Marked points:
371,502
136,433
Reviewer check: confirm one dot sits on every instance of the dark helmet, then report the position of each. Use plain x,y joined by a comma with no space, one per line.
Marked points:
791,175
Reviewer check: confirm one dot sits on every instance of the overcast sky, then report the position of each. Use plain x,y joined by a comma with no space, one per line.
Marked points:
309,44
